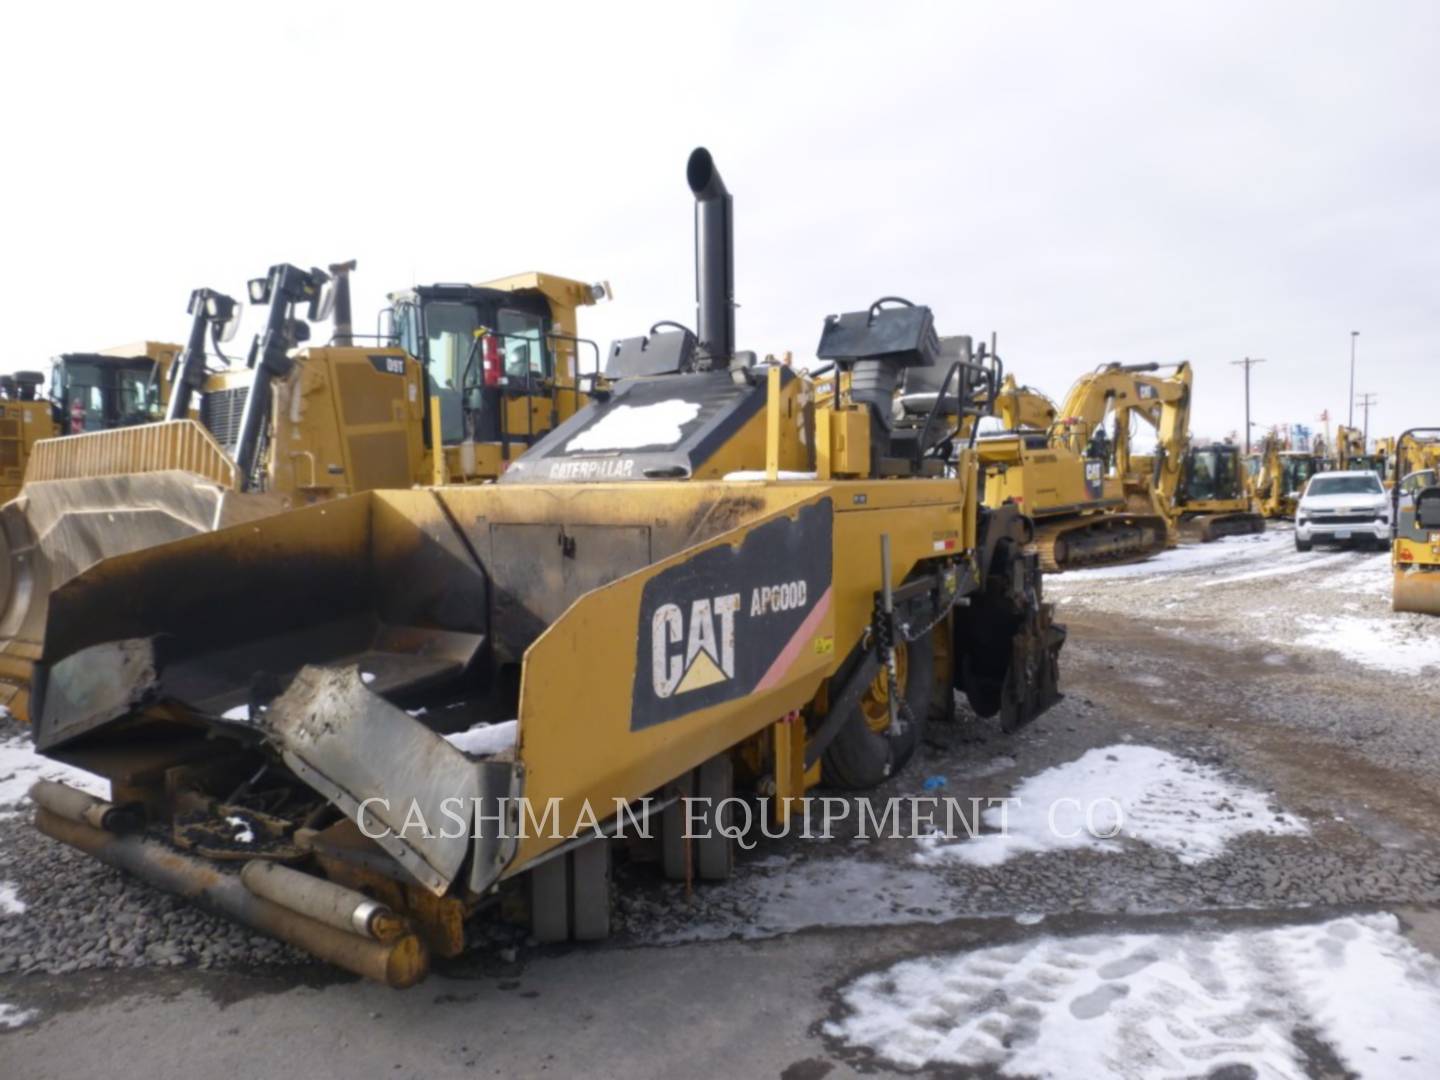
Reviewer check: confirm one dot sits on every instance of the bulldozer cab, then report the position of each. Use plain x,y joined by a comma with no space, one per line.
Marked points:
110,389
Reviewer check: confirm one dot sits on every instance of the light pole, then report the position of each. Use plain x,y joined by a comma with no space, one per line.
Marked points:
1353,335
1248,364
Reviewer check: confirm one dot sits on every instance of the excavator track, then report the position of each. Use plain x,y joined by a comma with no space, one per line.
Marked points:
1099,540
1208,527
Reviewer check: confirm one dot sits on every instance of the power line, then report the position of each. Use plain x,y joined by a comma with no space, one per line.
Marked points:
1247,363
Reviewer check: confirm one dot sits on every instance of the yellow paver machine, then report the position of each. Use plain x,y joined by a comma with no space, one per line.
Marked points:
396,708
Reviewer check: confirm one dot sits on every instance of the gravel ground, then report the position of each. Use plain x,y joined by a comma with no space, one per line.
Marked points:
1194,653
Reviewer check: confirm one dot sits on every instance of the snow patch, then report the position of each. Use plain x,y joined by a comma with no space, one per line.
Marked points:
10,902
21,766
1188,558
761,474
1140,1005
629,427
12,1016
1397,643
1114,793
483,740
239,712
243,833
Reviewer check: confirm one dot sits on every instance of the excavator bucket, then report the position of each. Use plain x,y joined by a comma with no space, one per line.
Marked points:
56,529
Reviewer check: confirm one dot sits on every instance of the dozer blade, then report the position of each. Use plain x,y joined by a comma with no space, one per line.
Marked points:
56,529
1099,540
1417,589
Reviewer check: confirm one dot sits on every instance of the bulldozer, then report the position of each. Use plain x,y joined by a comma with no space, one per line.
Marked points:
1213,500
465,378
88,392
1415,508
1093,501
704,581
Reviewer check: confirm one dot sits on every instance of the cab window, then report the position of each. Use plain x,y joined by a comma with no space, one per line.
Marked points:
522,335
449,349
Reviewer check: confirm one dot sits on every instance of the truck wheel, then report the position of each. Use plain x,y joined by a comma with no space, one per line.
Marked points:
866,752
1303,545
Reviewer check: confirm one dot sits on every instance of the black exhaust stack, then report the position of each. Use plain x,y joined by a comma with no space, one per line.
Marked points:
282,288
714,259
209,311
344,328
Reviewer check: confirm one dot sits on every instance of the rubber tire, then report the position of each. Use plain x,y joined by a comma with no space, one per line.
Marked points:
1303,545
590,891
714,852
549,900
673,841
860,759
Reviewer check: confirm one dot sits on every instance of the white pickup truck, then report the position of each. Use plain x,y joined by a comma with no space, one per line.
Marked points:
1338,507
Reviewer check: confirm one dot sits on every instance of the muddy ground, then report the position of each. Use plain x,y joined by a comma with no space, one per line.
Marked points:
1273,724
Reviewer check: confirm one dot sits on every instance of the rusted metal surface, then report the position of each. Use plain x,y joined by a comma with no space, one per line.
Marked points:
324,901
85,809
352,746
399,963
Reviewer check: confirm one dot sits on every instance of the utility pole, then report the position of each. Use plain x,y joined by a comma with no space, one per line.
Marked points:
1353,335
1366,400
1247,363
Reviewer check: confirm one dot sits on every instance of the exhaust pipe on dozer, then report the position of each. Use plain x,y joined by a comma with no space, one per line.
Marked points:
714,259
291,909
344,332
282,288
211,312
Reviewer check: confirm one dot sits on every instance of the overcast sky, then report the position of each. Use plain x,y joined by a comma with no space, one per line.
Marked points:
1092,182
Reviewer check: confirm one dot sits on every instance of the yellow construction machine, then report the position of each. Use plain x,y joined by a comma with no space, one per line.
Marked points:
703,581
467,377
1351,453
1092,500
25,418
1415,508
1281,477
88,392
1213,499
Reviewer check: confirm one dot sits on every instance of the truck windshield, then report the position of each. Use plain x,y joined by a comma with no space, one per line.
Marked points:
1345,485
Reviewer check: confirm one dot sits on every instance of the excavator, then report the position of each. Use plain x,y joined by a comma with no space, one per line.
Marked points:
468,376
703,581
1213,500
1092,500
1350,453
1415,508
1281,477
